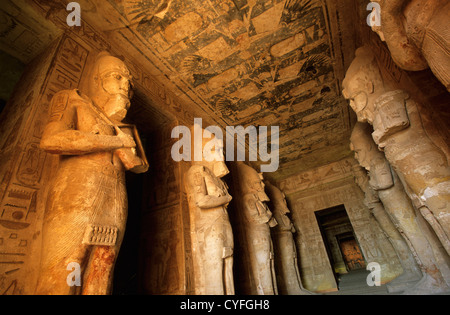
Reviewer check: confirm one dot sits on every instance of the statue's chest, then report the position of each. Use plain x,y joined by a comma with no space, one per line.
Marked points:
90,121
214,185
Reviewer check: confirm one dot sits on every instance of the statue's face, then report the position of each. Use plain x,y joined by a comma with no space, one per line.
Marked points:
213,156
253,182
116,82
358,102
380,174
117,85
283,208
257,185
363,84
360,153
111,87
211,151
261,193
278,198
358,90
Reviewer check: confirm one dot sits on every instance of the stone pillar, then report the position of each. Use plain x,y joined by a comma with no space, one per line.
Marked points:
399,206
411,272
399,132
285,250
211,233
253,220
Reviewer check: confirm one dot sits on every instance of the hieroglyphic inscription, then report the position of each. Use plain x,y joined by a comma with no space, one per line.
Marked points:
316,268
22,200
162,252
57,13
318,176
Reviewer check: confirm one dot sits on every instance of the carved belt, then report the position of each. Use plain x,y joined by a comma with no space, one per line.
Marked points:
102,229
100,235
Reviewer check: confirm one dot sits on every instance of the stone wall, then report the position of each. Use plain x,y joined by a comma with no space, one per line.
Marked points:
323,188
25,170
165,249
336,253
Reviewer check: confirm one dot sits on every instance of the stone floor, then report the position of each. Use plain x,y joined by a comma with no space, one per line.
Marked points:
354,283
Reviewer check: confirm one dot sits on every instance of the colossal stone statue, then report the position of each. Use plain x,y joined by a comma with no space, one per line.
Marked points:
405,252
87,206
286,260
399,207
257,221
398,130
417,34
211,232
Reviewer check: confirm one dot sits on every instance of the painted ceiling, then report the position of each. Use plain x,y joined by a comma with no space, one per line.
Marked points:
253,62
245,62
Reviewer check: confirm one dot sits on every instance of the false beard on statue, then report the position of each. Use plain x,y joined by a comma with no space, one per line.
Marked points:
116,107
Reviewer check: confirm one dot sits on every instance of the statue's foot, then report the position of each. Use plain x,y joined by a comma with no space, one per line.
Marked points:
403,282
426,286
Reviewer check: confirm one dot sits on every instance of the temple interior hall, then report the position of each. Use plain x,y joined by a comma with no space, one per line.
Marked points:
224,147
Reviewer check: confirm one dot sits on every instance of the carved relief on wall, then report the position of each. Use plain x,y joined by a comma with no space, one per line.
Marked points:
166,268
162,261
165,180
317,176
24,34
23,194
317,273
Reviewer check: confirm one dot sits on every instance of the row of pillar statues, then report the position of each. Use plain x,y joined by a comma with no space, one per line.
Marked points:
404,173
405,176
86,212
266,232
